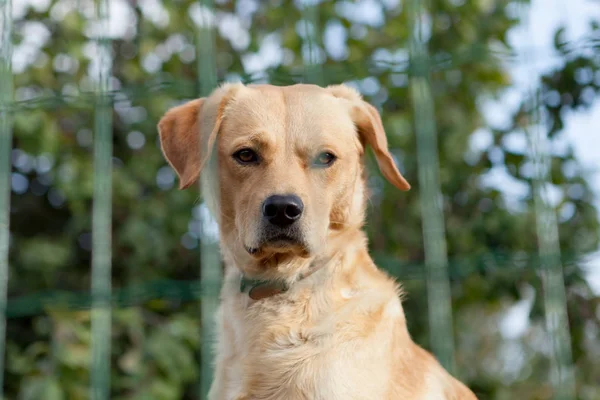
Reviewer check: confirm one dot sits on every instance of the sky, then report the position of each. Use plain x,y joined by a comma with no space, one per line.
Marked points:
582,129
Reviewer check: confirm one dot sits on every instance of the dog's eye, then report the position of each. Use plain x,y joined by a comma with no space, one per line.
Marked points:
245,156
324,160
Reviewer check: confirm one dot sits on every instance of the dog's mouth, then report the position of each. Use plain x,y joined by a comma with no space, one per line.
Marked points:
280,243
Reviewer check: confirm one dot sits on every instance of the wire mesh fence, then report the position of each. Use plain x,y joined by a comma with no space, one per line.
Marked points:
465,253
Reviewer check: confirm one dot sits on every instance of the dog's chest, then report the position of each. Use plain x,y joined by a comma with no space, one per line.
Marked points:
285,352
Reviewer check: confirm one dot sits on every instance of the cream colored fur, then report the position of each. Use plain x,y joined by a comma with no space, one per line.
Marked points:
340,333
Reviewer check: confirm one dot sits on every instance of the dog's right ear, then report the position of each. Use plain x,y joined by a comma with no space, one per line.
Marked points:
180,140
188,133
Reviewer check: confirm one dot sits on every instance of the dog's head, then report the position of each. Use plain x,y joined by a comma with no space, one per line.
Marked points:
283,166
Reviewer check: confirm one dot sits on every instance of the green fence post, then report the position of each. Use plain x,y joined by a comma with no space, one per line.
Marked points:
6,96
555,299
434,235
101,218
210,265
313,69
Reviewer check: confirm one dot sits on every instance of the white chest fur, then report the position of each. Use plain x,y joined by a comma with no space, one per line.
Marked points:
303,345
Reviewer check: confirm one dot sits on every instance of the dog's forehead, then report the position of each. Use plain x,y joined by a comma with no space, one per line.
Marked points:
292,110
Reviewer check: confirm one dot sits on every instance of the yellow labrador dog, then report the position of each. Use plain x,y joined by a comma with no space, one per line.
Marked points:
305,313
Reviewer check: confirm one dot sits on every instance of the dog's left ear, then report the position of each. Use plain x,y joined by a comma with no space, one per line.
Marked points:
369,125
188,133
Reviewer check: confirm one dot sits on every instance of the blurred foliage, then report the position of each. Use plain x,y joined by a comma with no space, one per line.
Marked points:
491,235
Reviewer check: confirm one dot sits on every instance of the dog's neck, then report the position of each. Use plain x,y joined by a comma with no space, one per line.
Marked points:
259,289
341,248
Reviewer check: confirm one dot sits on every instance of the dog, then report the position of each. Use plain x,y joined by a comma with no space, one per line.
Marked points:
305,314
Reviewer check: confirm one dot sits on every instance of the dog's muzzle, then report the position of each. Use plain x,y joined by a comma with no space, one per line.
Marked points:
280,226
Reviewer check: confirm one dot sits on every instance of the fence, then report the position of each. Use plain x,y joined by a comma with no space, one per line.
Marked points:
438,272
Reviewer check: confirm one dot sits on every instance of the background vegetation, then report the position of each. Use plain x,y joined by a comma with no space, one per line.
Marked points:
491,237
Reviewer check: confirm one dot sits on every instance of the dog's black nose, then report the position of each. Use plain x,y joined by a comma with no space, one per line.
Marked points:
281,210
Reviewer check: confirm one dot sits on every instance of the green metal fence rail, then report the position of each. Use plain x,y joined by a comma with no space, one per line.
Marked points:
189,291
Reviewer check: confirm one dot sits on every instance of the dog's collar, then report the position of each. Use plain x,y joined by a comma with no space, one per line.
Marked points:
259,289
